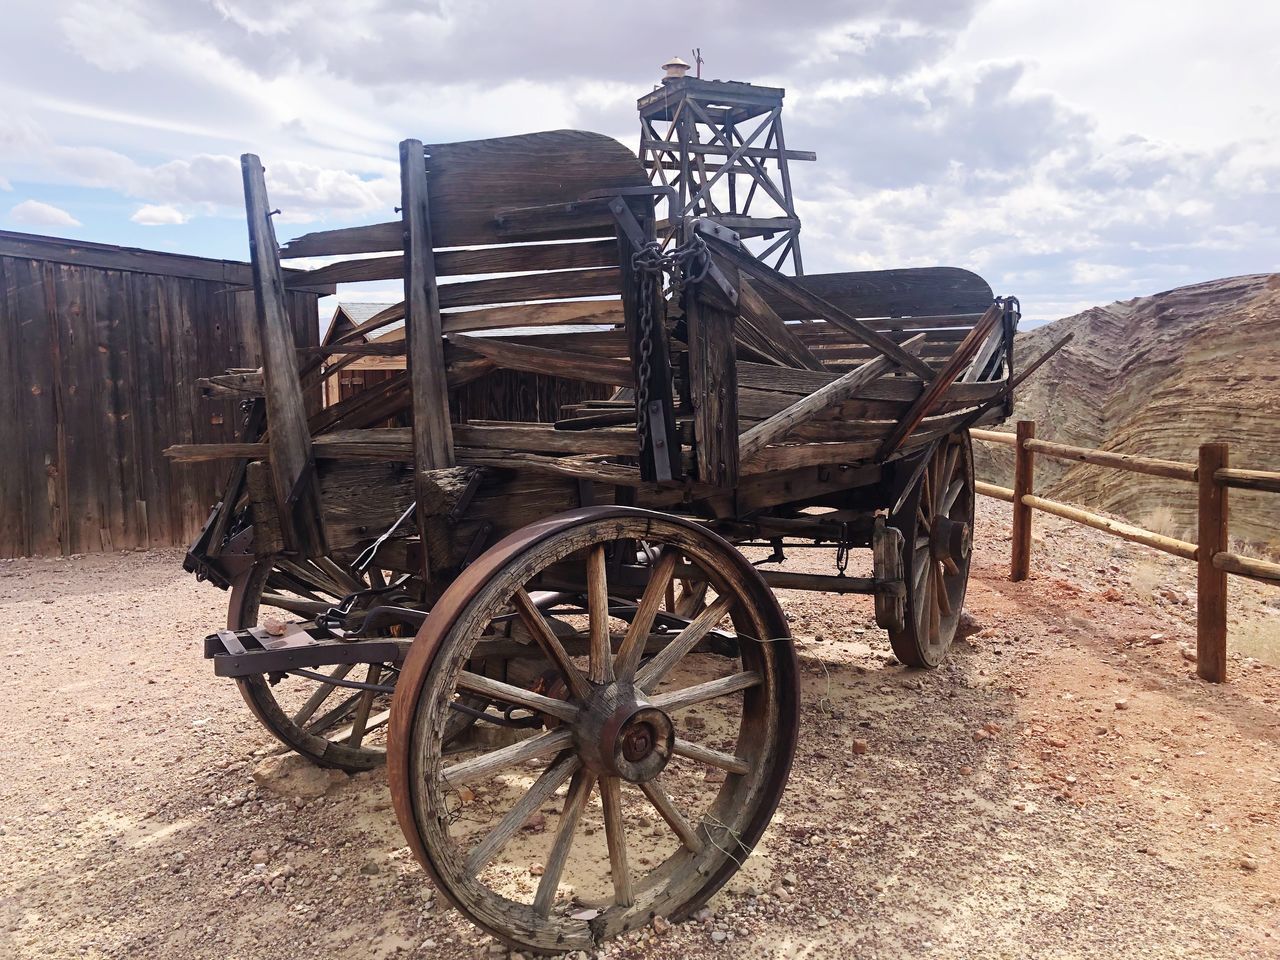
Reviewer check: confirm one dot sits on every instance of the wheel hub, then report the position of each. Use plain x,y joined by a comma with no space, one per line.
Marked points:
949,540
621,735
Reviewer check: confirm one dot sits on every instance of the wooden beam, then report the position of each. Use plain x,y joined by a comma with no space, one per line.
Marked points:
713,389
1179,548
789,289
1211,581
1171,469
941,382
805,409
429,385
292,465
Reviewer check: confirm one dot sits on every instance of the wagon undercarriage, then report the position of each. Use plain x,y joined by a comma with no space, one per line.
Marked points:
549,630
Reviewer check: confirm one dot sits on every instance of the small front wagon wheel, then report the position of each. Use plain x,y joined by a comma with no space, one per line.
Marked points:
936,521
636,776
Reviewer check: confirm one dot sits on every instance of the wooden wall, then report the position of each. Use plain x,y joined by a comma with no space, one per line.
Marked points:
522,397
100,350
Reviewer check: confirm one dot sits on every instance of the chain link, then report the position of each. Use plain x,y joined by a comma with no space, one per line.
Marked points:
686,264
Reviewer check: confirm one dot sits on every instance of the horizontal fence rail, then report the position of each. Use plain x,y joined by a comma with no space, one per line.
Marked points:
1213,477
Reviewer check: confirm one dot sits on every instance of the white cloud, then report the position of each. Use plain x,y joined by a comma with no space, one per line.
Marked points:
33,213
159,215
5,184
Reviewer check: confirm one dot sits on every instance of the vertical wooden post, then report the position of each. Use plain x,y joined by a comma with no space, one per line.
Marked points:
713,389
1211,586
1023,483
289,434
428,384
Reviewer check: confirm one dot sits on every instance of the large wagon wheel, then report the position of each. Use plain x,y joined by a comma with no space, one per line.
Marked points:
332,723
688,750
936,521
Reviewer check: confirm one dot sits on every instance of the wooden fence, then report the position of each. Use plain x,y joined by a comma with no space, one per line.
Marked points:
100,351
1214,477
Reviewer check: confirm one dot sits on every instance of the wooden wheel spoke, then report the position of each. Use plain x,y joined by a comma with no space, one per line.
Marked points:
655,590
537,625
333,716
361,721
674,700
953,493
931,609
616,837
311,577
919,567
666,807
692,596
541,745
600,648
574,803
684,641
948,467
322,693
940,588
340,575
711,757
546,785
509,693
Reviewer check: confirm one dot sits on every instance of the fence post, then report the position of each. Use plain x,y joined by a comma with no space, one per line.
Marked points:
1023,482
1211,586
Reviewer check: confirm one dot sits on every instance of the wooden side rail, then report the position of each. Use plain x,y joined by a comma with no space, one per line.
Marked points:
1213,476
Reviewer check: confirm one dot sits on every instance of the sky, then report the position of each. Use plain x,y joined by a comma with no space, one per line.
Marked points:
1071,153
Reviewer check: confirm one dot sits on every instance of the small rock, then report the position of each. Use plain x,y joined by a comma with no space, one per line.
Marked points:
536,824
966,771
1188,654
789,880
661,926
370,868
719,936
536,869
1122,704
584,914
859,747
1249,863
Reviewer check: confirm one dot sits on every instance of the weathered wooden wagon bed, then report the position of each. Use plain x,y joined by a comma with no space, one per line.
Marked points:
503,609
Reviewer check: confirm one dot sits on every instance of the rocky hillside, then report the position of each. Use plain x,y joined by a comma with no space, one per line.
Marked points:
1158,376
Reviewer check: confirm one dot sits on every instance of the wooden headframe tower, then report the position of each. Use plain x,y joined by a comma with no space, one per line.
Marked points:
719,145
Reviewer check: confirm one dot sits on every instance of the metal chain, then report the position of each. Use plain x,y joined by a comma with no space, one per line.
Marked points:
686,264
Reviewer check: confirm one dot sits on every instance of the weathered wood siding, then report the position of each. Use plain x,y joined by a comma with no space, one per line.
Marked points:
97,376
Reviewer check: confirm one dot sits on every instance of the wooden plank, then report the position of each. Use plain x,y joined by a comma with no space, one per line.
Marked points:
911,292
534,315
373,238
786,287
489,260
559,363
1211,581
82,253
473,181
597,282
713,391
290,438
803,410
783,342
429,386
941,383
718,150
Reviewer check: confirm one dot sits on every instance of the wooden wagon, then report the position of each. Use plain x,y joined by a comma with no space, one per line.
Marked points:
550,631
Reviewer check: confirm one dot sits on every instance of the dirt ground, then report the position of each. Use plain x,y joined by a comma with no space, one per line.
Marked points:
1063,787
